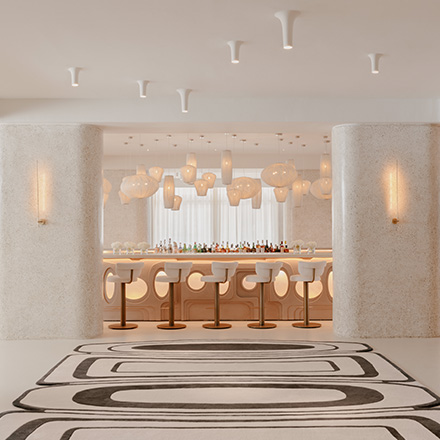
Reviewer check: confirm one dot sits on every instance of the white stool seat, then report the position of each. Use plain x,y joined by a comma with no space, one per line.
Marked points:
221,272
266,272
306,271
176,272
124,272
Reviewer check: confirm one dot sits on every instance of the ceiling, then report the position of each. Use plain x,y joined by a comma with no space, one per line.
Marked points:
175,43
182,44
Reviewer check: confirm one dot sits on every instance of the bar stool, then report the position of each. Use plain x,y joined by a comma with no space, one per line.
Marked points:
221,272
309,271
266,273
126,273
176,272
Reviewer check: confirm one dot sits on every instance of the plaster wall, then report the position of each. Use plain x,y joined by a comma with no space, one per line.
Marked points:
50,274
385,274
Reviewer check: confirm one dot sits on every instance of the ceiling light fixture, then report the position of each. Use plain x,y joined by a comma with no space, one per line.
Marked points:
202,187
177,203
74,74
374,58
287,18
235,49
142,88
184,94
256,200
191,159
210,178
168,192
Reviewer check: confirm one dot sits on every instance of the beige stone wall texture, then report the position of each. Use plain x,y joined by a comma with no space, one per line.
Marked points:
50,274
386,275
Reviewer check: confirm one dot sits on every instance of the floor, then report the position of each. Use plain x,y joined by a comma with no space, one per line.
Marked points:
22,363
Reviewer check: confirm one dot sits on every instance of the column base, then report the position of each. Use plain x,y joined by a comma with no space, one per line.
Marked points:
221,326
171,327
264,326
304,325
122,327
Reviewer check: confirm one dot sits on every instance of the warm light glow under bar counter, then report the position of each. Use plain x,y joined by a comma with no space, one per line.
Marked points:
148,300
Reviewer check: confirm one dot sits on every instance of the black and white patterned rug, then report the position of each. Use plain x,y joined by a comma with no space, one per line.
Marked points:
235,389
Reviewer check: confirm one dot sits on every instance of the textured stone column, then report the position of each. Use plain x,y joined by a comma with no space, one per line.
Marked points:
385,274
50,274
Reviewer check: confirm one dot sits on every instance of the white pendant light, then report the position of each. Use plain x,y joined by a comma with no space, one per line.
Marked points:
191,159
234,196
279,175
156,173
210,178
287,18
74,75
177,203
326,186
140,185
168,192
188,174
315,190
142,88
325,166
281,194
125,200
297,192
226,166
235,49
256,200
247,186
374,58
306,186
184,94
202,187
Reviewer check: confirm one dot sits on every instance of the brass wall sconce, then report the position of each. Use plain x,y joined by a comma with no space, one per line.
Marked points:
394,193
41,196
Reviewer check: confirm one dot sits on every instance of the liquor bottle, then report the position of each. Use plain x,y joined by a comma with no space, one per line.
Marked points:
170,246
282,246
253,247
286,249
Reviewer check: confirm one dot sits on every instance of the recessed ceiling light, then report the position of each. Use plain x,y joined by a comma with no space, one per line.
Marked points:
303,145
374,58
191,140
243,140
278,134
174,145
290,143
148,149
141,145
125,143
142,88
130,137
202,136
234,136
235,49
168,136
208,142
184,94
74,74
281,139
256,144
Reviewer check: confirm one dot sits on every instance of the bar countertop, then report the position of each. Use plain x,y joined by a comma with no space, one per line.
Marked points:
320,253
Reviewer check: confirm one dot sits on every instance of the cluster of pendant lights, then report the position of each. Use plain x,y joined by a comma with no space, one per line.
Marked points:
282,176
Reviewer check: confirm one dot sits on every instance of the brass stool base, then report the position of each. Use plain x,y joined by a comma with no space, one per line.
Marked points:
304,325
264,326
171,327
122,327
212,326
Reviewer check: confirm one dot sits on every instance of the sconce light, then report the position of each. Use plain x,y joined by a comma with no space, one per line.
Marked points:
41,196
393,181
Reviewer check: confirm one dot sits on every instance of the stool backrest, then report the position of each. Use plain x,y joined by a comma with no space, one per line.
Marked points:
264,268
224,269
172,269
305,269
123,270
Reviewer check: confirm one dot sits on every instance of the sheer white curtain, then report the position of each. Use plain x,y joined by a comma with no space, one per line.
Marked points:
211,219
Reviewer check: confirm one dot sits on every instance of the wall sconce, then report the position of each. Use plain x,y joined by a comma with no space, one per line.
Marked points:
393,182
41,197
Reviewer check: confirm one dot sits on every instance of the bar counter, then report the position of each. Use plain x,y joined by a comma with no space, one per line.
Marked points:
147,300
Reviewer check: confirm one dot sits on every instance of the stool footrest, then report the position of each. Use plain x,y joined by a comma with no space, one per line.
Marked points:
122,327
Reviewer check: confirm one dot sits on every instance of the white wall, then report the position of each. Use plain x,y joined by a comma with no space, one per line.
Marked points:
50,274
